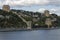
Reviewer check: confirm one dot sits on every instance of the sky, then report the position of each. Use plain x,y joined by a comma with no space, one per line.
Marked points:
33,5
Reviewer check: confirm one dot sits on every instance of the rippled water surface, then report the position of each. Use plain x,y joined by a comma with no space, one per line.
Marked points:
31,35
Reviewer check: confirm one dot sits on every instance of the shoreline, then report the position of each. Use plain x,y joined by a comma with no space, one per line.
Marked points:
11,30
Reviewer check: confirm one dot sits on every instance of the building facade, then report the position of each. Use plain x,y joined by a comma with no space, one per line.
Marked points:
46,13
6,8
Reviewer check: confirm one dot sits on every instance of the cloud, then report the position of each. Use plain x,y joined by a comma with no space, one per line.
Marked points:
55,2
29,2
55,11
26,2
52,10
41,10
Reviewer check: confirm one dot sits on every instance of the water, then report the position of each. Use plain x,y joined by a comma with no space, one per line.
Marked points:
31,35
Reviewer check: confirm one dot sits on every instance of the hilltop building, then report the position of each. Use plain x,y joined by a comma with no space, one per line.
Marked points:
6,8
46,13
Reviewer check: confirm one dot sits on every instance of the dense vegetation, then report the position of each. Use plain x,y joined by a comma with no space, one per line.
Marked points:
41,21
10,20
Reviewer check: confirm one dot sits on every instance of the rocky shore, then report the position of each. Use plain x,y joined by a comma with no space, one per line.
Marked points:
24,29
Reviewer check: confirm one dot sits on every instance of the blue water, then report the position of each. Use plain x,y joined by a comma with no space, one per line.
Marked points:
31,35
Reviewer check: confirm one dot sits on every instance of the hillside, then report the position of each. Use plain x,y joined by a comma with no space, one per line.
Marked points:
10,20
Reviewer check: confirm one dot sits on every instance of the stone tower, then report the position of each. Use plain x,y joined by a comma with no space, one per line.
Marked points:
46,13
6,8
29,24
48,22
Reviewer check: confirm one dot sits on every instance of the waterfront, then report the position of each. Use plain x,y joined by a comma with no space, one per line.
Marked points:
31,35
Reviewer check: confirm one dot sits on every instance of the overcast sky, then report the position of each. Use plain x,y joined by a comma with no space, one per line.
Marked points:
33,5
